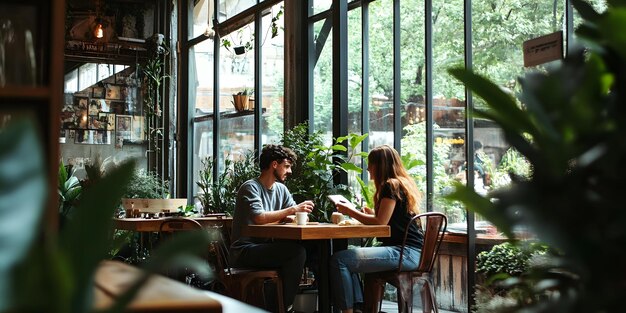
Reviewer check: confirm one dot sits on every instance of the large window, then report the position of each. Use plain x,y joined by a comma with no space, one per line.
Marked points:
233,134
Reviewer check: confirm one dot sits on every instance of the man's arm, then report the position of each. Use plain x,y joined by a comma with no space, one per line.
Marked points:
277,216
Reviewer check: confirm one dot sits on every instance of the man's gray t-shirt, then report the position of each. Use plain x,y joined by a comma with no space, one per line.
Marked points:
253,199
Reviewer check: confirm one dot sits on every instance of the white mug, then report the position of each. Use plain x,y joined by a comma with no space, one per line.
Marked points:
301,218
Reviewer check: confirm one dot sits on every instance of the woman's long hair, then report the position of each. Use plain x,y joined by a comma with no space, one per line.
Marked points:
388,168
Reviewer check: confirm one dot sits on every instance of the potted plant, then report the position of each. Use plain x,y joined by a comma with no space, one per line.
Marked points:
220,196
241,100
317,165
147,192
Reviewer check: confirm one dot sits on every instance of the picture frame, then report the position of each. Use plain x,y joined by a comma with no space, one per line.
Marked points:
117,107
137,134
108,121
82,103
94,107
113,92
98,92
123,127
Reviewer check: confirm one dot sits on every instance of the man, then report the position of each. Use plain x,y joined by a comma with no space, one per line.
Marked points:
265,200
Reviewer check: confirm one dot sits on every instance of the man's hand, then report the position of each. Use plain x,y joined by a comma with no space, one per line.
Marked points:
304,206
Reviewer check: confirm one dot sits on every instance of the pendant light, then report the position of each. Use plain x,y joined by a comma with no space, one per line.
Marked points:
99,30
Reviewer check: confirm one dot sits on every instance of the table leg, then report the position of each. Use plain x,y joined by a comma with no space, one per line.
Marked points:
323,284
327,248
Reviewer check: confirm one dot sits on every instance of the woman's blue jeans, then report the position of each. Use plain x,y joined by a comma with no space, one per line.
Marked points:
344,264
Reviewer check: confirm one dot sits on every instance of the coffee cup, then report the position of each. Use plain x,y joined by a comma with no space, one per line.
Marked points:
301,218
336,218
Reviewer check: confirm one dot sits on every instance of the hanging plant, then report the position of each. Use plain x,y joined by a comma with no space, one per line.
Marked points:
154,76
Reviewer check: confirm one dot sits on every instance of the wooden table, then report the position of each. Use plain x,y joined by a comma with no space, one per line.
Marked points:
153,224
159,294
324,234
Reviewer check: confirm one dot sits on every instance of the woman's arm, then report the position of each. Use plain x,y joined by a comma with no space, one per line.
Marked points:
385,210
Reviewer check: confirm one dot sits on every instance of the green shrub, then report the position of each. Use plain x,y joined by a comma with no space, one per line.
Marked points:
508,258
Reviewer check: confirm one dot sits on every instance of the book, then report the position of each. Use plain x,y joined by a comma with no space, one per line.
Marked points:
338,199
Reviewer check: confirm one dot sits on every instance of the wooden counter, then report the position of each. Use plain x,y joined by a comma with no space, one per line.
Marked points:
159,294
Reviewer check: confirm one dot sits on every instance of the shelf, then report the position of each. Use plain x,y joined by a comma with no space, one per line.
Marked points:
225,115
22,92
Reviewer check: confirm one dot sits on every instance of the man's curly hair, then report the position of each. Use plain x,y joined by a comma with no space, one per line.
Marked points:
277,153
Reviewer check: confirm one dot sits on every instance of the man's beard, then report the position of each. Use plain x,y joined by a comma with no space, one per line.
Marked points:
278,178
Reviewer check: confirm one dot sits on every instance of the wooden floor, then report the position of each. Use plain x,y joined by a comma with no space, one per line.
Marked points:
392,307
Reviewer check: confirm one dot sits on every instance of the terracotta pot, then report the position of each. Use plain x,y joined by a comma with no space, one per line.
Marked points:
241,102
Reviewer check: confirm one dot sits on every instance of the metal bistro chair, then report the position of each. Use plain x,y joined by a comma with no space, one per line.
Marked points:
239,281
167,228
435,228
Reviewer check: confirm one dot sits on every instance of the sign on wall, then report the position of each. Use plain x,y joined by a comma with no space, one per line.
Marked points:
543,49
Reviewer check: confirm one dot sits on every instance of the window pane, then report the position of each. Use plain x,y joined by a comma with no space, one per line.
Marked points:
355,90
203,147
236,79
230,8
381,73
323,81
497,56
201,17
86,75
448,105
272,122
413,82
321,5
201,77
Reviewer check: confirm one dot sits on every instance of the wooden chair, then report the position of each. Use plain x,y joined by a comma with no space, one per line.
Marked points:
435,227
239,281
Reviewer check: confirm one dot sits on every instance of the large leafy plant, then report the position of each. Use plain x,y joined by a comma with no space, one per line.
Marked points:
69,190
573,201
56,273
314,173
220,195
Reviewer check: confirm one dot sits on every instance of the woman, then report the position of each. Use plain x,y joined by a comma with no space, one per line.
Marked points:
396,201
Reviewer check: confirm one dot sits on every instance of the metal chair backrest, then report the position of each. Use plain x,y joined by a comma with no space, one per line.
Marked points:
434,229
173,224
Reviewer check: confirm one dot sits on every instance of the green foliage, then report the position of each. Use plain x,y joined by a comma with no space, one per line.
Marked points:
221,195
244,92
507,258
69,191
573,201
56,273
313,174
146,185
512,163
414,152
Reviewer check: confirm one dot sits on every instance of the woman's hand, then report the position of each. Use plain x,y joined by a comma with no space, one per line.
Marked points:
367,210
345,208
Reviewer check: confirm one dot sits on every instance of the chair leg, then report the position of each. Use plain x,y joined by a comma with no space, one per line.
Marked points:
373,294
405,294
279,295
429,302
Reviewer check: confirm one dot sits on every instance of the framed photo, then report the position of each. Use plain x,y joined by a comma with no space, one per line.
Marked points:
94,107
107,120
98,92
82,103
94,122
137,134
123,126
117,107
113,92
82,118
